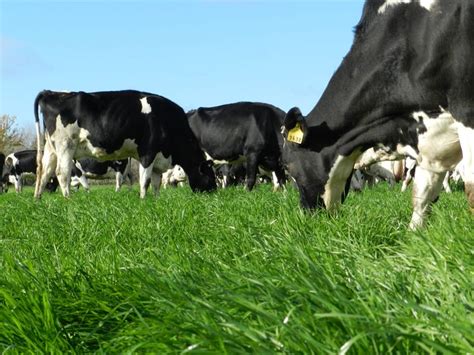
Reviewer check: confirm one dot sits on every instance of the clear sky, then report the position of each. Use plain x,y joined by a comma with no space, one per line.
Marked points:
195,52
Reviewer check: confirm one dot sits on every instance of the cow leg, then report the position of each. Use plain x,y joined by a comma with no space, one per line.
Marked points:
279,176
118,181
145,178
406,182
466,138
251,170
426,188
49,162
446,186
225,180
84,182
156,182
18,186
63,170
335,188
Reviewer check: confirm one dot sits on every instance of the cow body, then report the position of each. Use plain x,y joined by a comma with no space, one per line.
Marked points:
87,168
406,87
116,125
22,163
243,132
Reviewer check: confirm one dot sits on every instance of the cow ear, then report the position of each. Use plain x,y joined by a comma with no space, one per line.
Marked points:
295,128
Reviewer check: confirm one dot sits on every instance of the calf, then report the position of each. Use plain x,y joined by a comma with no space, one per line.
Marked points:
114,125
243,132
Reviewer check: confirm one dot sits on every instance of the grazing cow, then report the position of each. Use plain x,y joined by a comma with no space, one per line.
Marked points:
19,164
173,177
406,86
113,125
87,168
243,132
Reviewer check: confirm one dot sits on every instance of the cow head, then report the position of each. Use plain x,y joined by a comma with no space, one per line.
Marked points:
203,178
312,159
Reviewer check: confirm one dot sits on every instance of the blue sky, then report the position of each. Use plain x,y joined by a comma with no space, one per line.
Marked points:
196,53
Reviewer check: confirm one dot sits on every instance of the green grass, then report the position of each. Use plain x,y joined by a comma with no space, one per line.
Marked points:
233,272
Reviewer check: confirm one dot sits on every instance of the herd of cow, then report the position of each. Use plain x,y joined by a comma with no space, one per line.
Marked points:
405,89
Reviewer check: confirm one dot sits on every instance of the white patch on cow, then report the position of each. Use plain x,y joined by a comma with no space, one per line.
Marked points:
11,160
407,151
85,148
374,155
427,4
146,108
144,178
419,116
439,147
336,183
276,184
240,160
466,137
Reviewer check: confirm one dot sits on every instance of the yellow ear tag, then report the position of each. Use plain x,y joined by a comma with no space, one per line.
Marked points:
296,134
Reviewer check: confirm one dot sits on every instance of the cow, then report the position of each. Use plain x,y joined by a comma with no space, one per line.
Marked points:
406,87
19,164
87,168
174,177
242,132
114,125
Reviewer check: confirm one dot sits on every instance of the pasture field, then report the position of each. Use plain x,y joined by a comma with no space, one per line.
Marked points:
233,272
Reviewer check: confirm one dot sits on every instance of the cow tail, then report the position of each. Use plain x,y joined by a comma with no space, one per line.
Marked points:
40,141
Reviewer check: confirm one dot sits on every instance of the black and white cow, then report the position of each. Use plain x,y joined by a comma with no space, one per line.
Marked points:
242,132
87,168
113,125
406,86
19,164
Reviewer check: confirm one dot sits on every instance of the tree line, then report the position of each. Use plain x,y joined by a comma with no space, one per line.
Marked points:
14,138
